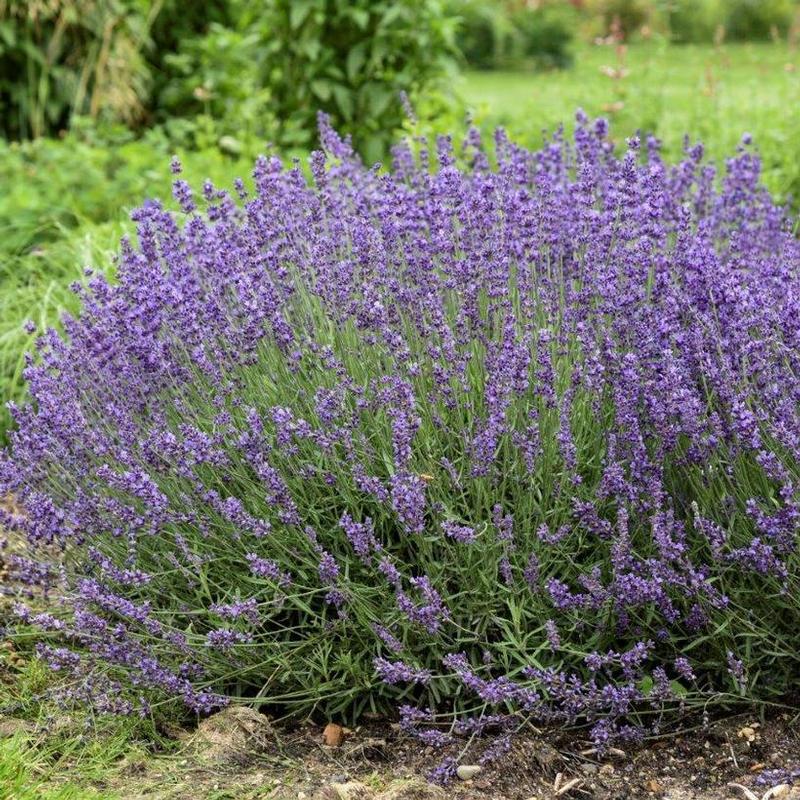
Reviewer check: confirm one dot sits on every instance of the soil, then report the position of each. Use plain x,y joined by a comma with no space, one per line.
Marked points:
238,753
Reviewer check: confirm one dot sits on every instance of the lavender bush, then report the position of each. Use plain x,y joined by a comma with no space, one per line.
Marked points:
499,442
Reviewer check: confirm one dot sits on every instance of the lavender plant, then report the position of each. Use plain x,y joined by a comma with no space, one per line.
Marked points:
501,437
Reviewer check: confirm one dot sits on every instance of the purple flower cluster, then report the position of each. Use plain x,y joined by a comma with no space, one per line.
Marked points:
536,425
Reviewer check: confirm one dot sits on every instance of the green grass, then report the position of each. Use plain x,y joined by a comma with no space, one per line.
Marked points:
60,751
713,94
22,776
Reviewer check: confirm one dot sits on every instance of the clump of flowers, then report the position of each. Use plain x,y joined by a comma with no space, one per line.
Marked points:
501,436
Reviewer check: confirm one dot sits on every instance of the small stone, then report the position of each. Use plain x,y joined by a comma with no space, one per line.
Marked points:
466,772
607,769
333,734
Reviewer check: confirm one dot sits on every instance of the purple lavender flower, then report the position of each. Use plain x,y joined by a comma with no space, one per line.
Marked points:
459,533
397,672
247,461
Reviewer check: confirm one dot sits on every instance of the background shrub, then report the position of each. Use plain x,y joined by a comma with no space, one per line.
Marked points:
71,57
480,32
545,33
510,35
693,20
628,15
214,81
229,68
757,19
351,59
521,440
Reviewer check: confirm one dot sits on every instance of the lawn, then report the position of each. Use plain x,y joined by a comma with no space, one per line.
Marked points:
713,94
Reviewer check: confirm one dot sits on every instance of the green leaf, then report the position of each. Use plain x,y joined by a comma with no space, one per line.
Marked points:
344,100
395,12
311,47
7,33
360,16
322,89
678,689
355,60
377,98
298,12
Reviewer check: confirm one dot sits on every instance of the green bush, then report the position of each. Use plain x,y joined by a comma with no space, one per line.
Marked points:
498,35
545,33
630,15
692,20
479,33
70,57
742,20
351,60
214,84
756,19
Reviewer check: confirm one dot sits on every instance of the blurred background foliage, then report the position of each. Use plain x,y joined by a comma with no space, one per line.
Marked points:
95,95
234,74
247,70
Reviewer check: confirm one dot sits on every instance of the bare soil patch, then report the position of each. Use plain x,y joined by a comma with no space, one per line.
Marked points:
240,754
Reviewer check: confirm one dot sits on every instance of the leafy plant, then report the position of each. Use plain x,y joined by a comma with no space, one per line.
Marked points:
504,34
628,16
351,59
544,33
757,19
503,443
68,57
215,78
484,32
693,20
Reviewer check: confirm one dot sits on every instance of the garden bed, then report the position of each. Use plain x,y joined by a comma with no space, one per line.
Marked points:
377,762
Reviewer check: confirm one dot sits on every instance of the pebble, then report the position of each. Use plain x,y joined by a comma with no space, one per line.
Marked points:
333,734
467,772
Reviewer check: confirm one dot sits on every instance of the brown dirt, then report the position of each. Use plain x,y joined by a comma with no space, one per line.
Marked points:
240,754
